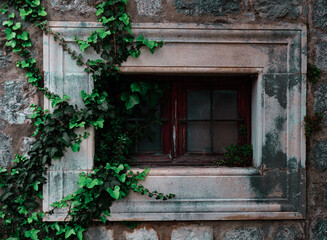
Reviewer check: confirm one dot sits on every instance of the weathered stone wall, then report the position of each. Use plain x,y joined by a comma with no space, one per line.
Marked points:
15,97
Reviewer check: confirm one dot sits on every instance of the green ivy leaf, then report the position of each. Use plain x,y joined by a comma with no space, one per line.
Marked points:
80,234
124,96
70,232
32,234
102,33
103,219
119,168
23,36
25,64
10,34
125,19
99,11
17,26
122,178
95,182
42,12
75,147
65,138
83,45
98,123
114,193
135,87
36,185
8,23
3,10
132,101
33,217
106,20
23,13
36,2
11,15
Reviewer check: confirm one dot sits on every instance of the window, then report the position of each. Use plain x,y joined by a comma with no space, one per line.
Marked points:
274,188
200,117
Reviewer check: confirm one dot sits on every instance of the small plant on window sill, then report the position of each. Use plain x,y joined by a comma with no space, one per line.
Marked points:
313,124
237,155
314,73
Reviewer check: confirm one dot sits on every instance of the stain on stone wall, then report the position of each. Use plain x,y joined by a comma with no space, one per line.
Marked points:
214,7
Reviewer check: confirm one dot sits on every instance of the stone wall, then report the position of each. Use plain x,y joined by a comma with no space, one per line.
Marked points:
15,97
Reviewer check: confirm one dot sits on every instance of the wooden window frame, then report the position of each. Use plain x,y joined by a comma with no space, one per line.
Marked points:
173,114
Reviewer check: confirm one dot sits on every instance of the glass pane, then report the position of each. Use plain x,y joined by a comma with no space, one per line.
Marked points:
151,143
198,137
225,134
225,104
198,105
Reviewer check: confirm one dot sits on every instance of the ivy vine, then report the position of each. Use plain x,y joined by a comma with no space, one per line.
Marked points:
108,109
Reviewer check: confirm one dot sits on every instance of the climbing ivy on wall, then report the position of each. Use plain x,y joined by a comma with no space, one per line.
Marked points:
107,109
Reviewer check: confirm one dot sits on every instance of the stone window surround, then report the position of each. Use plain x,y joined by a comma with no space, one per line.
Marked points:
266,42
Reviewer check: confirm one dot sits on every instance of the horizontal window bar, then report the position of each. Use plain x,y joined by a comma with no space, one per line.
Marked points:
208,120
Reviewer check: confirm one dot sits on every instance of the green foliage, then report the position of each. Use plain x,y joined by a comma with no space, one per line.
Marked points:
313,124
108,107
237,155
313,73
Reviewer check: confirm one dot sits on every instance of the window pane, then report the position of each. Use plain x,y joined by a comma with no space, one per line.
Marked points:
198,105
225,134
151,143
198,137
225,104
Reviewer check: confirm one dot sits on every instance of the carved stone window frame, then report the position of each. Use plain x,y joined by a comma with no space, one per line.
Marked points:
274,188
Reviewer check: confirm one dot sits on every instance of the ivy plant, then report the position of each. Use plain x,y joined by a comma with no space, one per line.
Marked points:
108,109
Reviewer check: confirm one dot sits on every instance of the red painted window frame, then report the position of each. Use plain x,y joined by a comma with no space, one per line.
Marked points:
174,108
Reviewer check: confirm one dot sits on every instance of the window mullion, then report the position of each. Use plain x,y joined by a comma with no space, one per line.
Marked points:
211,120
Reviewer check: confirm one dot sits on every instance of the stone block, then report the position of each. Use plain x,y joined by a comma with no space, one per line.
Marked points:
14,106
275,9
148,8
320,13
27,144
141,234
320,155
321,53
99,233
213,7
287,232
321,99
80,6
192,233
4,59
319,231
6,152
243,233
